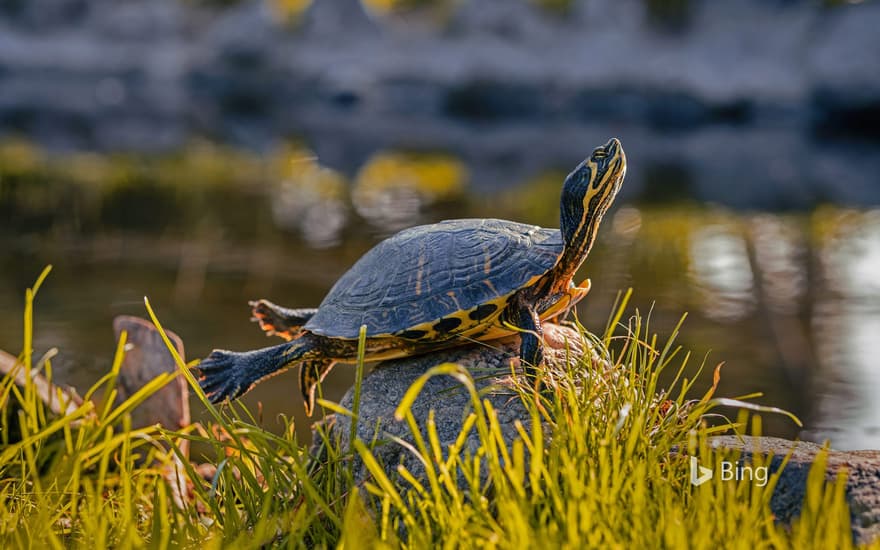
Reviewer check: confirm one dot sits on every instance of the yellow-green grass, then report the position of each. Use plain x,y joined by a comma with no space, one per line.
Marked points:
603,474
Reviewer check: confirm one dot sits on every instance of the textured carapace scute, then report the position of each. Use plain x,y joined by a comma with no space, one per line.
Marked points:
430,271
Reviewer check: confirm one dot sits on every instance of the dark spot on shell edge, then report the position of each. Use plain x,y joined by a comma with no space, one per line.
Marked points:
482,312
447,324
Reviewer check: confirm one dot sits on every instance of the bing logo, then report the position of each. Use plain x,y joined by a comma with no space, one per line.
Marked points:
730,471
699,474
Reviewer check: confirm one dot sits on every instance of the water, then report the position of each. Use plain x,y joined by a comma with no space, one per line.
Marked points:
789,302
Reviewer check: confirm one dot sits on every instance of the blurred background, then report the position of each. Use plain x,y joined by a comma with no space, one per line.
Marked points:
207,152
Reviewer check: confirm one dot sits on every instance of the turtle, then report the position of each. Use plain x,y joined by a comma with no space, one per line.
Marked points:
433,287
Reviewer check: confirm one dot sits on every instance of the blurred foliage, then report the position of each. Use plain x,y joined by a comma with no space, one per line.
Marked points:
669,14
288,10
555,6
666,14
839,3
531,199
392,188
434,176
434,12
39,192
387,6
19,158
299,166
309,198
197,163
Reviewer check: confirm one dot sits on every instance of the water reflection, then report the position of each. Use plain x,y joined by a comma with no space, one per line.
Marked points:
852,256
310,198
779,255
721,272
847,325
392,189
627,222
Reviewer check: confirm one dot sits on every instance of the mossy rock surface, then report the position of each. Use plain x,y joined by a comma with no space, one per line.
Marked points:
492,365
862,469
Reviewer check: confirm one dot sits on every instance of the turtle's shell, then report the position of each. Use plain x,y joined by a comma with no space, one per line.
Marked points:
427,273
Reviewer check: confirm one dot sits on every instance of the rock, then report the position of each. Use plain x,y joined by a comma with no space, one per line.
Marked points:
862,487
489,364
146,357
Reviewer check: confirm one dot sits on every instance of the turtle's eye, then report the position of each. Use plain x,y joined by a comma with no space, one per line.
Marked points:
599,154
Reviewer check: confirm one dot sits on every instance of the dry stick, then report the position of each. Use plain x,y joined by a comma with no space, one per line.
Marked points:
46,391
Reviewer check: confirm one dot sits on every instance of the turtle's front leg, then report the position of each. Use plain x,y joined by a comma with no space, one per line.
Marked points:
531,349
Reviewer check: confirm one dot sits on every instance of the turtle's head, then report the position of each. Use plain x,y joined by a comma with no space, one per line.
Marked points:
587,193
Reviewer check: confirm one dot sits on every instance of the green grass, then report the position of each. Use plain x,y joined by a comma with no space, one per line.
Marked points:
602,476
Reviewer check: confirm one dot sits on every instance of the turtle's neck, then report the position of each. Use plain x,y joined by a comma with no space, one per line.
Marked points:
579,236
586,196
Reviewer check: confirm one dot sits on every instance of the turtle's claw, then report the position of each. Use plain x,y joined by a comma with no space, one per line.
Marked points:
262,314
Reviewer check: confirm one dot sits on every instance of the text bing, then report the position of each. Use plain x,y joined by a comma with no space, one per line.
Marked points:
739,472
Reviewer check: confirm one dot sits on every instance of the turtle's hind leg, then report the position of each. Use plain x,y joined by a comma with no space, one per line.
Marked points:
311,373
229,374
284,322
